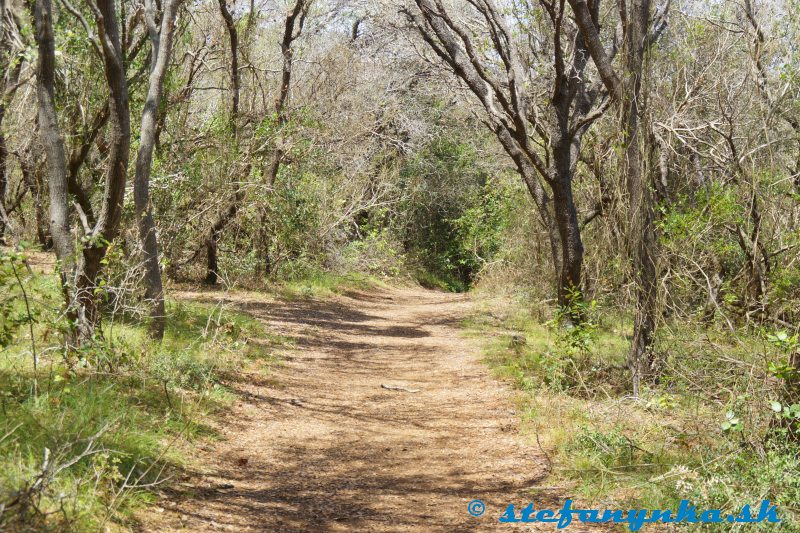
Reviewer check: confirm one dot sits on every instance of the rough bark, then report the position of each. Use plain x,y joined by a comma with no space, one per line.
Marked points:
642,237
161,39
566,215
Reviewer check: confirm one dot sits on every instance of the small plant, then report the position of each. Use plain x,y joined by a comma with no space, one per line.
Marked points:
732,422
784,341
787,412
576,324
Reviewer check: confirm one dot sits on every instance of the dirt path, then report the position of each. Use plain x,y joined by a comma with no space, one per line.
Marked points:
322,446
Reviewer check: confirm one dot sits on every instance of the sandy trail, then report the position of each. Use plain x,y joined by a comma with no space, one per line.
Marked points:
320,445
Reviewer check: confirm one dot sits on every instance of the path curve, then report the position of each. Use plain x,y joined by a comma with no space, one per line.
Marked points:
320,444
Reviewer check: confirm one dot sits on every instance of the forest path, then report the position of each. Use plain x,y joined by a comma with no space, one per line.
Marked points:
321,445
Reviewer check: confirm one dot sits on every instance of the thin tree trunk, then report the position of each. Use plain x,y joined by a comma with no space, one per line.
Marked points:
233,37
53,144
212,240
161,42
214,233
108,223
3,172
293,27
641,232
627,91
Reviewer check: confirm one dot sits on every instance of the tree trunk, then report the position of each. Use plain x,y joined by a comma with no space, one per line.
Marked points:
530,176
53,145
627,92
212,239
87,314
3,170
233,37
566,218
79,278
161,42
293,26
641,232
543,207
212,266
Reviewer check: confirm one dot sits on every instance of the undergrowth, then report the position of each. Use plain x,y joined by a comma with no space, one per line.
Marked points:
316,283
86,436
714,438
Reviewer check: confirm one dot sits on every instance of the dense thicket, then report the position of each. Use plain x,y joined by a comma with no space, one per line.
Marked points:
286,154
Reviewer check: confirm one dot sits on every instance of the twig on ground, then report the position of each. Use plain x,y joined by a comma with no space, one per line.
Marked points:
400,389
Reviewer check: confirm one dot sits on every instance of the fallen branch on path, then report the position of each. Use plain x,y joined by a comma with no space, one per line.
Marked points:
400,389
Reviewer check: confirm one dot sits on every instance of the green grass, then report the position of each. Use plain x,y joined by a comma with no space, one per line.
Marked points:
85,439
613,451
431,280
323,284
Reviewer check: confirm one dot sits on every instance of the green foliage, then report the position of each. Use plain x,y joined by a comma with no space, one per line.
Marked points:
575,325
13,313
455,214
296,214
315,283
377,253
607,449
79,449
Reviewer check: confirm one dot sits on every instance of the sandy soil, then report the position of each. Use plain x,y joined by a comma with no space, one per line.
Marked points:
321,445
